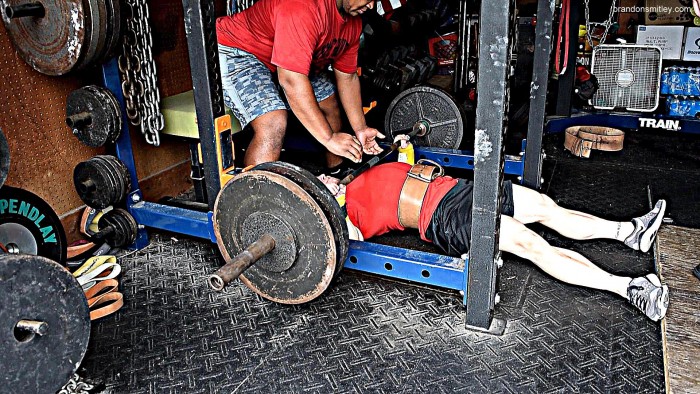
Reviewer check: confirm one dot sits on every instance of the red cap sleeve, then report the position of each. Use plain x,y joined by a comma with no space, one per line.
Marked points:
297,32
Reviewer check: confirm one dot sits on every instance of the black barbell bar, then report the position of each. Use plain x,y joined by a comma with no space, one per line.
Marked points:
35,9
419,128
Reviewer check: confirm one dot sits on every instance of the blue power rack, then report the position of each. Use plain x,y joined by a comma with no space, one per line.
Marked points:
416,266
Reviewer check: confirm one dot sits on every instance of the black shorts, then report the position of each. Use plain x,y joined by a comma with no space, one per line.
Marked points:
451,225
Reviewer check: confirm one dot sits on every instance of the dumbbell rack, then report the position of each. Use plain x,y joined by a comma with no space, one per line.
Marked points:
474,278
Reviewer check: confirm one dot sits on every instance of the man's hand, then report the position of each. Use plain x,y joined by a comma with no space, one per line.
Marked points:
345,145
367,137
333,184
404,140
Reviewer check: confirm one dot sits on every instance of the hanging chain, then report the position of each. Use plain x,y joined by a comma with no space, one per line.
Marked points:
138,70
606,24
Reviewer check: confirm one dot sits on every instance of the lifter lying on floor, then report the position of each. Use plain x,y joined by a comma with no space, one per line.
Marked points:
444,218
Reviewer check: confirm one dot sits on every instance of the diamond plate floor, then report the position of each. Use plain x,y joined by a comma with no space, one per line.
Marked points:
174,335
366,334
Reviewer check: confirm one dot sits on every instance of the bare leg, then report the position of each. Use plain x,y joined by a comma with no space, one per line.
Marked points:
534,207
268,137
562,264
331,111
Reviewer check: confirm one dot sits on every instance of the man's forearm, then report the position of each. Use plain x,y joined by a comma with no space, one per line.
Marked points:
351,99
302,101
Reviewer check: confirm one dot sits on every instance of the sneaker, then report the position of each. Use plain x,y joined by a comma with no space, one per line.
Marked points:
645,228
649,296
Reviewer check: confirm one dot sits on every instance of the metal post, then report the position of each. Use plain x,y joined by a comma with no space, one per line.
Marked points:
200,27
538,93
566,81
496,21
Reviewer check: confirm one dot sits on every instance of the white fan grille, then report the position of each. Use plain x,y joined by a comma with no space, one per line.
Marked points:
629,77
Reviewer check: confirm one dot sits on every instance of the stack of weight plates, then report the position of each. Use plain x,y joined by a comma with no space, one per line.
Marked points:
59,36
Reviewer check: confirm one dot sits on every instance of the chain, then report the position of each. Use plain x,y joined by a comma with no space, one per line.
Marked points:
138,69
606,24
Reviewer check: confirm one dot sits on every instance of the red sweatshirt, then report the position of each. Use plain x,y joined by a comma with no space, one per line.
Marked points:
298,35
372,199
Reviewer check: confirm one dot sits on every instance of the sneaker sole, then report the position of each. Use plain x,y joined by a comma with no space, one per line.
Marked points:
662,302
650,233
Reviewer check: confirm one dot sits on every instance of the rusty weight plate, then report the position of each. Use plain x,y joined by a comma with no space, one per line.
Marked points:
95,12
258,202
41,359
113,30
323,197
52,43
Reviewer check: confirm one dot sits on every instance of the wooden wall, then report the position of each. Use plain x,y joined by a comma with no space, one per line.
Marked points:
43,150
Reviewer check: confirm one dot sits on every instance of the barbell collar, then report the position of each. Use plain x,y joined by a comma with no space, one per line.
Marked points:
242,261
35,9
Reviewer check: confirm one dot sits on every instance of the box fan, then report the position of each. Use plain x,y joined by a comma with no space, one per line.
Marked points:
628,75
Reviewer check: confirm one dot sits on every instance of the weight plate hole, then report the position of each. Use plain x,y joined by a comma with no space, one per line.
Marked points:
388,266
425,273
353,259
23,336
446,159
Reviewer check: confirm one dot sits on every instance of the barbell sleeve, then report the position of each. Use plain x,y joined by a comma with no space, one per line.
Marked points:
27,9
234,268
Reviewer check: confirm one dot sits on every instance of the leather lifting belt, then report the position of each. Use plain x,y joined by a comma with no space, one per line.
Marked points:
579,140
413,191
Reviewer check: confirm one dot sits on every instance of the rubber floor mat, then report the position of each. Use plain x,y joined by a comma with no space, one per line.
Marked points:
366,334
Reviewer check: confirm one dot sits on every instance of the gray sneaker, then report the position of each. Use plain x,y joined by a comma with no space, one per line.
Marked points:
645,228
649,296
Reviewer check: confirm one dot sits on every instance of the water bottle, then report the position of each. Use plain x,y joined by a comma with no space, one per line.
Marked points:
694,81
674,86
665,81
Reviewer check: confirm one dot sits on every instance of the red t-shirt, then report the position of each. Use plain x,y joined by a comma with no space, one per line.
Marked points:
297,35
372,199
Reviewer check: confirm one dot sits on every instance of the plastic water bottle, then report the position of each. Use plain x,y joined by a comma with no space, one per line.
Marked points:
665,81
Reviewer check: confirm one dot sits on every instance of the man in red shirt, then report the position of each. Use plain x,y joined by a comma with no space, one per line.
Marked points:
444,218
293,42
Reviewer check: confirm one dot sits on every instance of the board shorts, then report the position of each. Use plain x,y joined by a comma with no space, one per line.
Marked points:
451,225
251,89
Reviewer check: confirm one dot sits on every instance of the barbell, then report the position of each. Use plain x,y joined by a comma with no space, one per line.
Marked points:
282,232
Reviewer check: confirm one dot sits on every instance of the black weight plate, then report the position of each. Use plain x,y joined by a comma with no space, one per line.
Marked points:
4,158
119,175
114,110
254,192
126,228
96,101
36,288
429,104
51,44
94,184
323,197
29,222
111,178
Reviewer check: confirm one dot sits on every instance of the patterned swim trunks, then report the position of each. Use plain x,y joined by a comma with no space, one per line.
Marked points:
250,89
